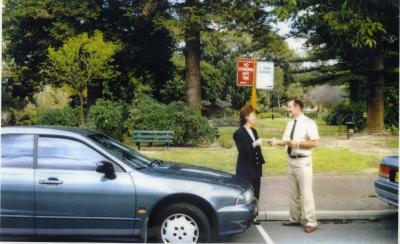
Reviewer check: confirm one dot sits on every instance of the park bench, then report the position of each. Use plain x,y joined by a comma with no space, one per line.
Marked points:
153,136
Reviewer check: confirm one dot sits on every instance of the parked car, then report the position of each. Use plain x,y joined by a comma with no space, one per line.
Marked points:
387,185
69,182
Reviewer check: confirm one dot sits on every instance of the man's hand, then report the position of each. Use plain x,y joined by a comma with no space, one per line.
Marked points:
271,142
293,144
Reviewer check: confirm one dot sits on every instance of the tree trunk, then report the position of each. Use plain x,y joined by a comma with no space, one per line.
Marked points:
192,62
81,108
375,111
354,90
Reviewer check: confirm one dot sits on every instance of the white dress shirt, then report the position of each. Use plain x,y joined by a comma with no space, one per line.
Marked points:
306,129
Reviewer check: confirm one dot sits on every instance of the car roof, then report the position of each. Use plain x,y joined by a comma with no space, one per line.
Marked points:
391,160
50,130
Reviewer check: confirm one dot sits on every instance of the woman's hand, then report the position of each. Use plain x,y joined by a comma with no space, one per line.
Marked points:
271,142
258,142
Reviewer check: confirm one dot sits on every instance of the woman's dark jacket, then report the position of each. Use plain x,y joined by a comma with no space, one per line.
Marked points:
250,159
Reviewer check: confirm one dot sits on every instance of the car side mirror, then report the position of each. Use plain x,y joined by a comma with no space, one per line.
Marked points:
107,168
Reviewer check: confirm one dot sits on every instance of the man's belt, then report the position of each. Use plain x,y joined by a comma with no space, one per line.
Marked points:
299,156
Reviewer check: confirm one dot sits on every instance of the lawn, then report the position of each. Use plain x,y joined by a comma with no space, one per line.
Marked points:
324,159
268,128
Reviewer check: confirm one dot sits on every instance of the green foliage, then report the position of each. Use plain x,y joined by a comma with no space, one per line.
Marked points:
392,103
81,61
347,112
31,26
64,116
225,141
108,117
268,115
312,115
393,130
212,82
53,97
282,111
295,90
48,98
148,114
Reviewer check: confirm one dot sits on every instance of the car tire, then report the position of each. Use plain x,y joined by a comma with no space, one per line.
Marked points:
181,222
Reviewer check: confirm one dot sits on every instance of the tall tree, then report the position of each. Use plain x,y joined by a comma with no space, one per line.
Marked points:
31,26
195,17
358,32
79,62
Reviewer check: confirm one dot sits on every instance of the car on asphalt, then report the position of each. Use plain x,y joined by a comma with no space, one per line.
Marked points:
61,183
387,184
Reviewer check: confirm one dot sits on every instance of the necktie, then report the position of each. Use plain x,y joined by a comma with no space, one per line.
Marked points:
289,149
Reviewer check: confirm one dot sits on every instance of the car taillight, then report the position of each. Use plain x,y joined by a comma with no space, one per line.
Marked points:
384,171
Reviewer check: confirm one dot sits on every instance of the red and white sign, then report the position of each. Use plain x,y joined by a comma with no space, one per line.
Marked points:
246,72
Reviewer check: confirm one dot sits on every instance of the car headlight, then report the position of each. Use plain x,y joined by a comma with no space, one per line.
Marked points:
245,198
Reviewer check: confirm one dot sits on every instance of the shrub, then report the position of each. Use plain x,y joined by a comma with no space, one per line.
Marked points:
312,115
268,115
345,112
63,116
188,125
225,142
393,130
108,117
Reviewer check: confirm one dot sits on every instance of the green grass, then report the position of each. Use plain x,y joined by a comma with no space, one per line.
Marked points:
324,159
268,128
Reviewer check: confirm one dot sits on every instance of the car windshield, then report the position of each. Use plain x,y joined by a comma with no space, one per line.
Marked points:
122,152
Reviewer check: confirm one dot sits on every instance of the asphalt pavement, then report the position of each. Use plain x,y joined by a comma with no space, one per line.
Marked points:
332,231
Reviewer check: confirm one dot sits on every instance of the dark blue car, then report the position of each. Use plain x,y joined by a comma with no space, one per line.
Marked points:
387,185
68,182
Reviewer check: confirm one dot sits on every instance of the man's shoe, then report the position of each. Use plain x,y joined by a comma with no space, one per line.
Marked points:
289,223
309,229
256,222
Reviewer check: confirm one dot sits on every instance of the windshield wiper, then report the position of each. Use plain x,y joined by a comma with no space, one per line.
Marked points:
160,162
141,167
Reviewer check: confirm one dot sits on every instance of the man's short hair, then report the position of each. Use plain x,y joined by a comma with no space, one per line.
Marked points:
297,102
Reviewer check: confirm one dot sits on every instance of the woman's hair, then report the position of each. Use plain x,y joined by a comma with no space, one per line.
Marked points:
244,112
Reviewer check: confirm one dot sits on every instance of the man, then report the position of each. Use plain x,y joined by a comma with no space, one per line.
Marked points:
300,136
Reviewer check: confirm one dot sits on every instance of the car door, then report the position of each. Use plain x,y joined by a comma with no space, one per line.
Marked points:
73,199
17,185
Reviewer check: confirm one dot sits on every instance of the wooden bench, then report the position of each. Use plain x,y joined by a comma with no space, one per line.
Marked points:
153,136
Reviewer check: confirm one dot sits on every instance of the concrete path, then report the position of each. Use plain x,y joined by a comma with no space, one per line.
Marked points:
331,192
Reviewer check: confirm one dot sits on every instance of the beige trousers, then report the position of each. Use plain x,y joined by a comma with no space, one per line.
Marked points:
301,196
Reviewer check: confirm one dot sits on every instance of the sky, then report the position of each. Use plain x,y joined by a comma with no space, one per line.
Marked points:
297,44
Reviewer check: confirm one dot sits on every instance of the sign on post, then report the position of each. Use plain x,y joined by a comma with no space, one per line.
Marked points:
246,72
265,75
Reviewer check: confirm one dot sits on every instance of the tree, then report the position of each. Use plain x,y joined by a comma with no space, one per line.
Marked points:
31,26
279,89
195,17
81,61
325,95
295,90
360,34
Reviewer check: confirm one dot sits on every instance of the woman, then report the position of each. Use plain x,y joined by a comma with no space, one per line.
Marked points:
250,159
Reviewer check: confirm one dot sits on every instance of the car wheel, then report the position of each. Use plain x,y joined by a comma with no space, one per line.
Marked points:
181,223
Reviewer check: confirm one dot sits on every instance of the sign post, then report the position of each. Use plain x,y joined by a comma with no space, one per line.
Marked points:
258,75
246,76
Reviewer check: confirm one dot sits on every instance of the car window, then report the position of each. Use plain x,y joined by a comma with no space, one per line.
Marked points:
127,155
17,151
63,153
